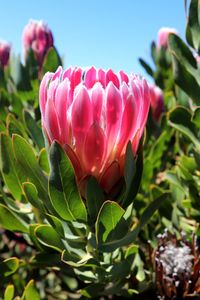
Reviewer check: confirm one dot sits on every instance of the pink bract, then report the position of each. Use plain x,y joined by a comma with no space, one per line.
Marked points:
163,33
38,37
157,102
93,114
4,53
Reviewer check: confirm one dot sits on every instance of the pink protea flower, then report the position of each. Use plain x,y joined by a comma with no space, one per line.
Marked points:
4,53
38,37
157,102
93,114
163,34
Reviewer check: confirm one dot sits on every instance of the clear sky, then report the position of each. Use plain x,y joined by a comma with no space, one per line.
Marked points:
103,33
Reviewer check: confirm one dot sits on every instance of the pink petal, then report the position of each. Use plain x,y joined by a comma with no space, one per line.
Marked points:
110,177
128,123
113,114
94,149
124,77
67,73
51,121
111,76
90,77
102,77
97,102
57,73
61,104
43,91
135,141
74,160
52,89
76,77
125,91
81,116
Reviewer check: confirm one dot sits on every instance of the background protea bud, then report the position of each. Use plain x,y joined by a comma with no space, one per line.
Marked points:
39,38
163,33
4,53
157,102
177,267
93,114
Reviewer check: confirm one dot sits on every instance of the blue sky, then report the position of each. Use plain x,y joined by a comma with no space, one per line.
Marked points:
103,33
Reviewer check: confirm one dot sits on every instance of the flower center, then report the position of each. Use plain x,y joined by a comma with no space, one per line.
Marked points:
176,260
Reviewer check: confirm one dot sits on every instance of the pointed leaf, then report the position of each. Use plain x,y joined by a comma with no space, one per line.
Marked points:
94,198
110,222
9,167
63,191
132,174
34,129
26,157
11,221
131,236
180,118
9,292
31,195
49,237
30,292
52,61
8,267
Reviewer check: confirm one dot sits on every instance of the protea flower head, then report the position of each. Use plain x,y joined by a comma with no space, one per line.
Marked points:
38,37
163,33
177,267
4,53
93,114
157,102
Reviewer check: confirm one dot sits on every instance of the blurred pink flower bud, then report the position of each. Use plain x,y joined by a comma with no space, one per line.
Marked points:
163,34
93,114
38,37
157,102
4,53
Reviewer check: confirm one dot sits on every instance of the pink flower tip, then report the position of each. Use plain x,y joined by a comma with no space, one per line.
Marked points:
5,49
163,33
157,102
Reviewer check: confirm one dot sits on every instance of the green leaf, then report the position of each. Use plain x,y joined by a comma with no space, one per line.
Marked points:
26,158
193,26
20,74
11,221
92,290
30,292
2,127
34,129
49,237
15,126
131,236
186,74
8,267
147,68
9,168
43,160
132,174
196,117
56,224
180,119
52,61
110,223
9,292
153,51
63,191
76,258
31,195
94,198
